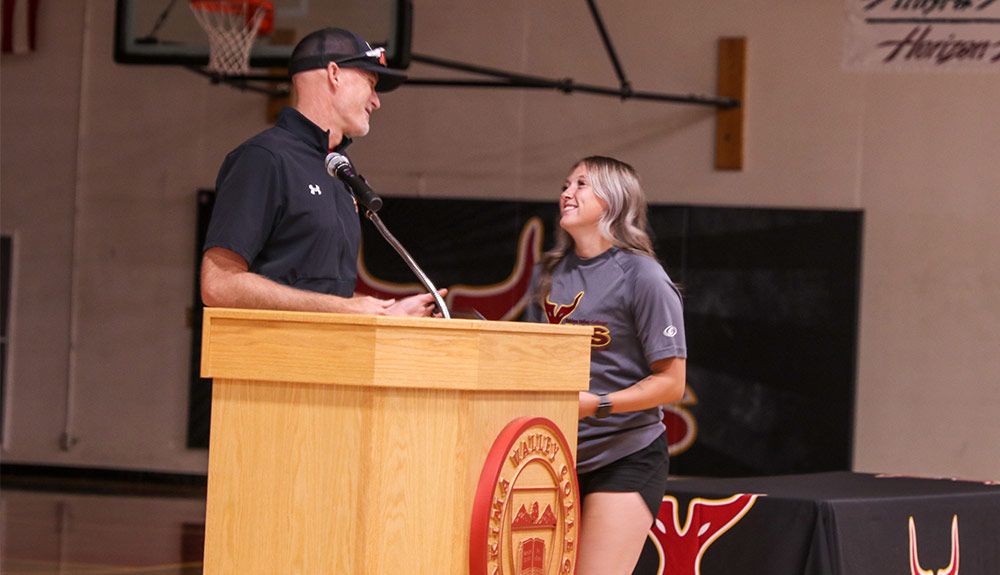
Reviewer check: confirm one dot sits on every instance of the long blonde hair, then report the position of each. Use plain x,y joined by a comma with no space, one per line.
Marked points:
624,224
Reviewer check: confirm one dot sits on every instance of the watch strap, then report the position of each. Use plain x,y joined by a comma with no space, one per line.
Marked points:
603,408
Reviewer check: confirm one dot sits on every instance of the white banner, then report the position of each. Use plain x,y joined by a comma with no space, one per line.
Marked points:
923,35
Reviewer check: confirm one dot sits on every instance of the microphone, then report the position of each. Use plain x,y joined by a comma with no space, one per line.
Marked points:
340,167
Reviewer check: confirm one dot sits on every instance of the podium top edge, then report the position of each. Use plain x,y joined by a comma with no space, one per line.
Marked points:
391,321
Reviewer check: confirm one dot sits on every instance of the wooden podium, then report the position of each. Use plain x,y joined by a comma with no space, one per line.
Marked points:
352,445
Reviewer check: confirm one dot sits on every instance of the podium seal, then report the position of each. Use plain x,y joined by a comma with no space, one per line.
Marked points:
525,518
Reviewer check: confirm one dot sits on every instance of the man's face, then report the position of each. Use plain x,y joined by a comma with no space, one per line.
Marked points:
356,98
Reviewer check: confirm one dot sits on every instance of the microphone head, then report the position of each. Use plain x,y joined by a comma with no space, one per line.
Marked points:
336,162
338,166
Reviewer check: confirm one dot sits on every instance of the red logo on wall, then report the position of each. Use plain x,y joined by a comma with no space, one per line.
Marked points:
682,427
502,301
525,518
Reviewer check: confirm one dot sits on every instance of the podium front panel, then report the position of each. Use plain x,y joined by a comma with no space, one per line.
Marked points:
343,475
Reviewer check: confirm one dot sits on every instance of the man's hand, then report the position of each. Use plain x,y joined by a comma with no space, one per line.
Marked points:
368,305
421,305
227,282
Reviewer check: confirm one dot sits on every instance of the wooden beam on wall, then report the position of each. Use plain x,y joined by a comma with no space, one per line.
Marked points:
280,37
729,122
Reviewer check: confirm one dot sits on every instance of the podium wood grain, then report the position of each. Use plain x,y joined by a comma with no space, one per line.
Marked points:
353,444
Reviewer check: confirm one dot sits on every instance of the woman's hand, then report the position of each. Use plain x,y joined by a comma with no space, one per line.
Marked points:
588,403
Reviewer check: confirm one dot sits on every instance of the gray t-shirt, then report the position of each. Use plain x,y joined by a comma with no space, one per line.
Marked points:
637,314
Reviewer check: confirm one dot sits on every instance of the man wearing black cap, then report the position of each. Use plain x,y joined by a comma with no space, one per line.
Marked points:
284,234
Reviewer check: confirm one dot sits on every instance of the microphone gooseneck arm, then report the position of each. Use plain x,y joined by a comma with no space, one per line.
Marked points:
339,166
409,261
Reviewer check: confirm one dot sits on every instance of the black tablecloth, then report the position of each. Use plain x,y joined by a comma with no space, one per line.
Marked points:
826,524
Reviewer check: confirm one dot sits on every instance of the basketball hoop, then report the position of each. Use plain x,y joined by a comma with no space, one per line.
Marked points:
232,27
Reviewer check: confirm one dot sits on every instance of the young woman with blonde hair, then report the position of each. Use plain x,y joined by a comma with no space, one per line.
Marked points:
603,272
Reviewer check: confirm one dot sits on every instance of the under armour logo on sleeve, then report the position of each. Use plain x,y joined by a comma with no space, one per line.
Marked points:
314,190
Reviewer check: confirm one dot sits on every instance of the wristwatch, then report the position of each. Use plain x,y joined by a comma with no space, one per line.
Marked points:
604,408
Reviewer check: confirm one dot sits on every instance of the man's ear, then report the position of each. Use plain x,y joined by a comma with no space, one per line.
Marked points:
333,73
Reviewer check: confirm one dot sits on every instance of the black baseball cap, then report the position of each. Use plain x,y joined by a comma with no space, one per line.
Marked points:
347,50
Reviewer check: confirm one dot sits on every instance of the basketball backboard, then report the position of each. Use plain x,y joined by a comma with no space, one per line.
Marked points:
165,32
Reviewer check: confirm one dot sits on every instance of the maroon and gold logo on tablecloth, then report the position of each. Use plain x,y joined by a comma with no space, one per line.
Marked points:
526,516
951,569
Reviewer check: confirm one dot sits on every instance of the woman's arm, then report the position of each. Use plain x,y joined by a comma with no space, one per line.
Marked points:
664,385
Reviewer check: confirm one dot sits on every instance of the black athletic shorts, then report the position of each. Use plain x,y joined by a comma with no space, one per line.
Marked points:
644,472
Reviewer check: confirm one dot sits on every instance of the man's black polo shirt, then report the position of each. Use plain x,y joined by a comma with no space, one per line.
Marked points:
283,213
